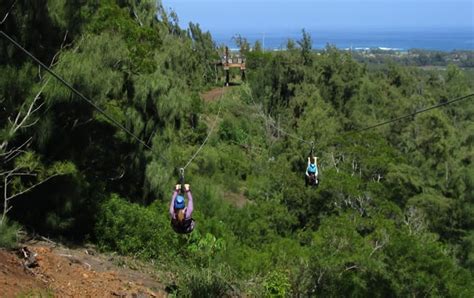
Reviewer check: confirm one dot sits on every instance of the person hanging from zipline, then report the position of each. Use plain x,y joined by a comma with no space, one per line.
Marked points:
312,172
181,215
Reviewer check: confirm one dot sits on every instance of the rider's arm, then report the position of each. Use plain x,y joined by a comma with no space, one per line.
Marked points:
190,207
175,193
317,167
306,173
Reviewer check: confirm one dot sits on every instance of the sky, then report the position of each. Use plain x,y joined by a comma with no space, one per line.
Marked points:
230,16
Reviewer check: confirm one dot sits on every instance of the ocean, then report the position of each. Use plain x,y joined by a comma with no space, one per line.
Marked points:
402,40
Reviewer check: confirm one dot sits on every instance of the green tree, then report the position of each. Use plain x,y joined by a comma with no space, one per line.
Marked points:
306,45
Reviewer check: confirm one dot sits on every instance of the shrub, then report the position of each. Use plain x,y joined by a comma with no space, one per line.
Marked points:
132,229
276,284
9,234
205,283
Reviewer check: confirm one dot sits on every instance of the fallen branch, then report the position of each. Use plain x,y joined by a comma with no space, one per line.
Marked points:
48,240
30,257
89,267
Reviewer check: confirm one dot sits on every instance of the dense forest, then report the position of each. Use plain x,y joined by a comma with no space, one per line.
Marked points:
393,214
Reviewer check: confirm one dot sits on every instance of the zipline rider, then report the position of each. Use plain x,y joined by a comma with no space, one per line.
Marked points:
181,215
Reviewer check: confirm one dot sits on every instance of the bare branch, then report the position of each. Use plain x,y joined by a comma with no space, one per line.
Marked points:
5,211
17,118
5,189
354,167
377,247
5,201
23,174
54,59
4,18
38,107
334,162
31,187
63,44
348,268
31,124
8,173
77,123
447,171
16,153
415,220
31,109
119,176
8,12
379,177
321,274
138,19
16,149
351,267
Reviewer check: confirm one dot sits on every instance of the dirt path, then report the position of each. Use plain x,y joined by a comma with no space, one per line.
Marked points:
215,94
63,272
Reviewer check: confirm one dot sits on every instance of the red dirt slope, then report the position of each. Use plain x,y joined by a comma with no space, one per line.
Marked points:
62,272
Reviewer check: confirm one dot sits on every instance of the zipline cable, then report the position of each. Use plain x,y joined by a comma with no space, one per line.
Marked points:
266,117
416,112
290,135
375,125
208,135
365,128
68,85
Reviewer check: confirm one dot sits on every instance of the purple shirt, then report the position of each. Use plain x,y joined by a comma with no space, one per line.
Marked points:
188,209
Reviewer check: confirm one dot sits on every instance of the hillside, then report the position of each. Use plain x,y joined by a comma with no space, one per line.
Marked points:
95,159
59,271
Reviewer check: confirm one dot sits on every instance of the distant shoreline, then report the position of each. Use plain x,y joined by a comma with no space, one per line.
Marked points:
445,40
375,49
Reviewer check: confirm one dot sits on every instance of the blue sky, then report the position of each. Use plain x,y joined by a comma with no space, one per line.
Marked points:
227,16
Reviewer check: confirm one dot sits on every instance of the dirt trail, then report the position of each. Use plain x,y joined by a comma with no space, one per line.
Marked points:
63,272
215,94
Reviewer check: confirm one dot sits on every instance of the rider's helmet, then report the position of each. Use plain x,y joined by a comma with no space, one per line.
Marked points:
179,202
